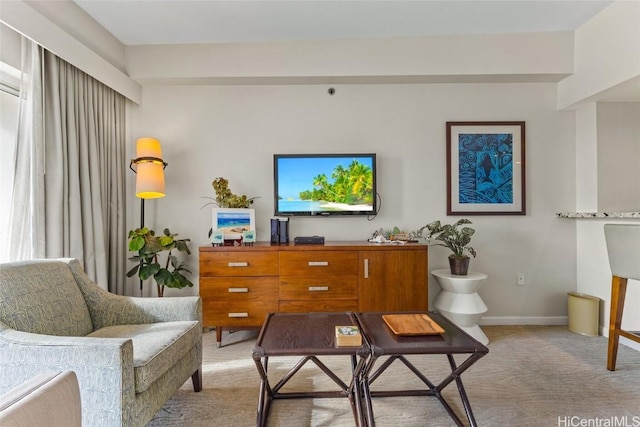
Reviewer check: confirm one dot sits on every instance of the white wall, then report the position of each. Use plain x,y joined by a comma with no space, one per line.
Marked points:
233,131
532,57
606,55
618,153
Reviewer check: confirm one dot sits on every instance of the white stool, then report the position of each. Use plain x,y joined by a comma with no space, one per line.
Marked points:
459,301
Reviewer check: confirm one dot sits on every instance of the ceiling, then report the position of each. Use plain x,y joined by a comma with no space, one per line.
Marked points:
136,22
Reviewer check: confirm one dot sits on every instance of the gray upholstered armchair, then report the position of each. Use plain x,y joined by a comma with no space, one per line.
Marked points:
130,354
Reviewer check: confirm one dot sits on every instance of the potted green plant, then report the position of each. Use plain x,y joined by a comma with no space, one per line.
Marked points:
454,237
148,247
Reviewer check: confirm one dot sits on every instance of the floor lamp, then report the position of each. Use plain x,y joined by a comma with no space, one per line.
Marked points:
149,169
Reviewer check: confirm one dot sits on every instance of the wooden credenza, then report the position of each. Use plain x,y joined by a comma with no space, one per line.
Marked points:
239,285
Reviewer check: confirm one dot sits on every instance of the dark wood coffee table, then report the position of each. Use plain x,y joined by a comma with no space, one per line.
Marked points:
383,342
308,335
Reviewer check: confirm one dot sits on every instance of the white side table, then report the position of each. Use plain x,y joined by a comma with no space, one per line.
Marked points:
459,300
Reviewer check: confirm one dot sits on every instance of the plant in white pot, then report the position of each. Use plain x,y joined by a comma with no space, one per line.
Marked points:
454,237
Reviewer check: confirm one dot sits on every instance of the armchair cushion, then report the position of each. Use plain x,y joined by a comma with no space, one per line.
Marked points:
156,346
47,289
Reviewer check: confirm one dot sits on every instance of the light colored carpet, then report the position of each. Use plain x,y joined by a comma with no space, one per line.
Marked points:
532,376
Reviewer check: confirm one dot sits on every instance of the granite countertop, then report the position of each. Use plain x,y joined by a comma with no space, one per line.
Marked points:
621,215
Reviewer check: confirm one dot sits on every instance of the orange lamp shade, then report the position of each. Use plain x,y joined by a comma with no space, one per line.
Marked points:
148,147
150,172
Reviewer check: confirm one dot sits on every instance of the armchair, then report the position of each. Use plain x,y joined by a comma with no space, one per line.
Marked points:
130,354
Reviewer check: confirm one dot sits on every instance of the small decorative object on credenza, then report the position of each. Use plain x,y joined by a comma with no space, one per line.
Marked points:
279,231
248,237
455,239
393,235
217,237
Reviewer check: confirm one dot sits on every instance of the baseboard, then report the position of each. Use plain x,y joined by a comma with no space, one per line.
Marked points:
524,320
631,344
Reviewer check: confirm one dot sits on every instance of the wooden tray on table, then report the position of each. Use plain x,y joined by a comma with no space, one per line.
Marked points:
412,324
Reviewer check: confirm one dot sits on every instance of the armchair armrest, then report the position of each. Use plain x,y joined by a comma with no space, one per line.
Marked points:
94,360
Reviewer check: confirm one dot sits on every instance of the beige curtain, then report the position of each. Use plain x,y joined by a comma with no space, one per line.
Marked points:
85,173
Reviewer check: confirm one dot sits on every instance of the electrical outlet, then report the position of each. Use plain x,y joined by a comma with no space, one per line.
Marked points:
520,279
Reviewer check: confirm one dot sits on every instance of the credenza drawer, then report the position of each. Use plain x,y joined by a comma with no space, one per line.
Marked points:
217,313
230,289
318,263
238,264
243,301
318,287
305,306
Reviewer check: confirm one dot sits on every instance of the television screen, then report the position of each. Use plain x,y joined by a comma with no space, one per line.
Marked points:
324,184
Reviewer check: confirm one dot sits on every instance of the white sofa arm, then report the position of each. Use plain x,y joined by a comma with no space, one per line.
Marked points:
51,399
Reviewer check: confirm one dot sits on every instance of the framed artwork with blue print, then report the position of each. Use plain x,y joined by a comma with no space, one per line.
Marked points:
485,168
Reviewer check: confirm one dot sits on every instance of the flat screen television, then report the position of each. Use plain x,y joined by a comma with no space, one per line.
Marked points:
324,184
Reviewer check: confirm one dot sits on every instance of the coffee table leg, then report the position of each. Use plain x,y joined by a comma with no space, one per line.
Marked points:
355,390
461,390
265,396
366,396
365,381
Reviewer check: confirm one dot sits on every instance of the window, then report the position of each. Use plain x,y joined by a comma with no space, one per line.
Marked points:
9,84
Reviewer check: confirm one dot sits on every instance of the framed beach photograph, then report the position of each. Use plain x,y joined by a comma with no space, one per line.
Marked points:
233,221
485,168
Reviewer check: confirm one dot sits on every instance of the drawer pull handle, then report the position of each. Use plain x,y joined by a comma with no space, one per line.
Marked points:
238,290
318,288
366,268
238,314
318,263
238,264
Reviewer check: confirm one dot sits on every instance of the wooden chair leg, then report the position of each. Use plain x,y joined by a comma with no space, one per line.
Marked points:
618,292
196,379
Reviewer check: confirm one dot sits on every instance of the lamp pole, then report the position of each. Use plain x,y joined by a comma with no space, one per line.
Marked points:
149,170
141,227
